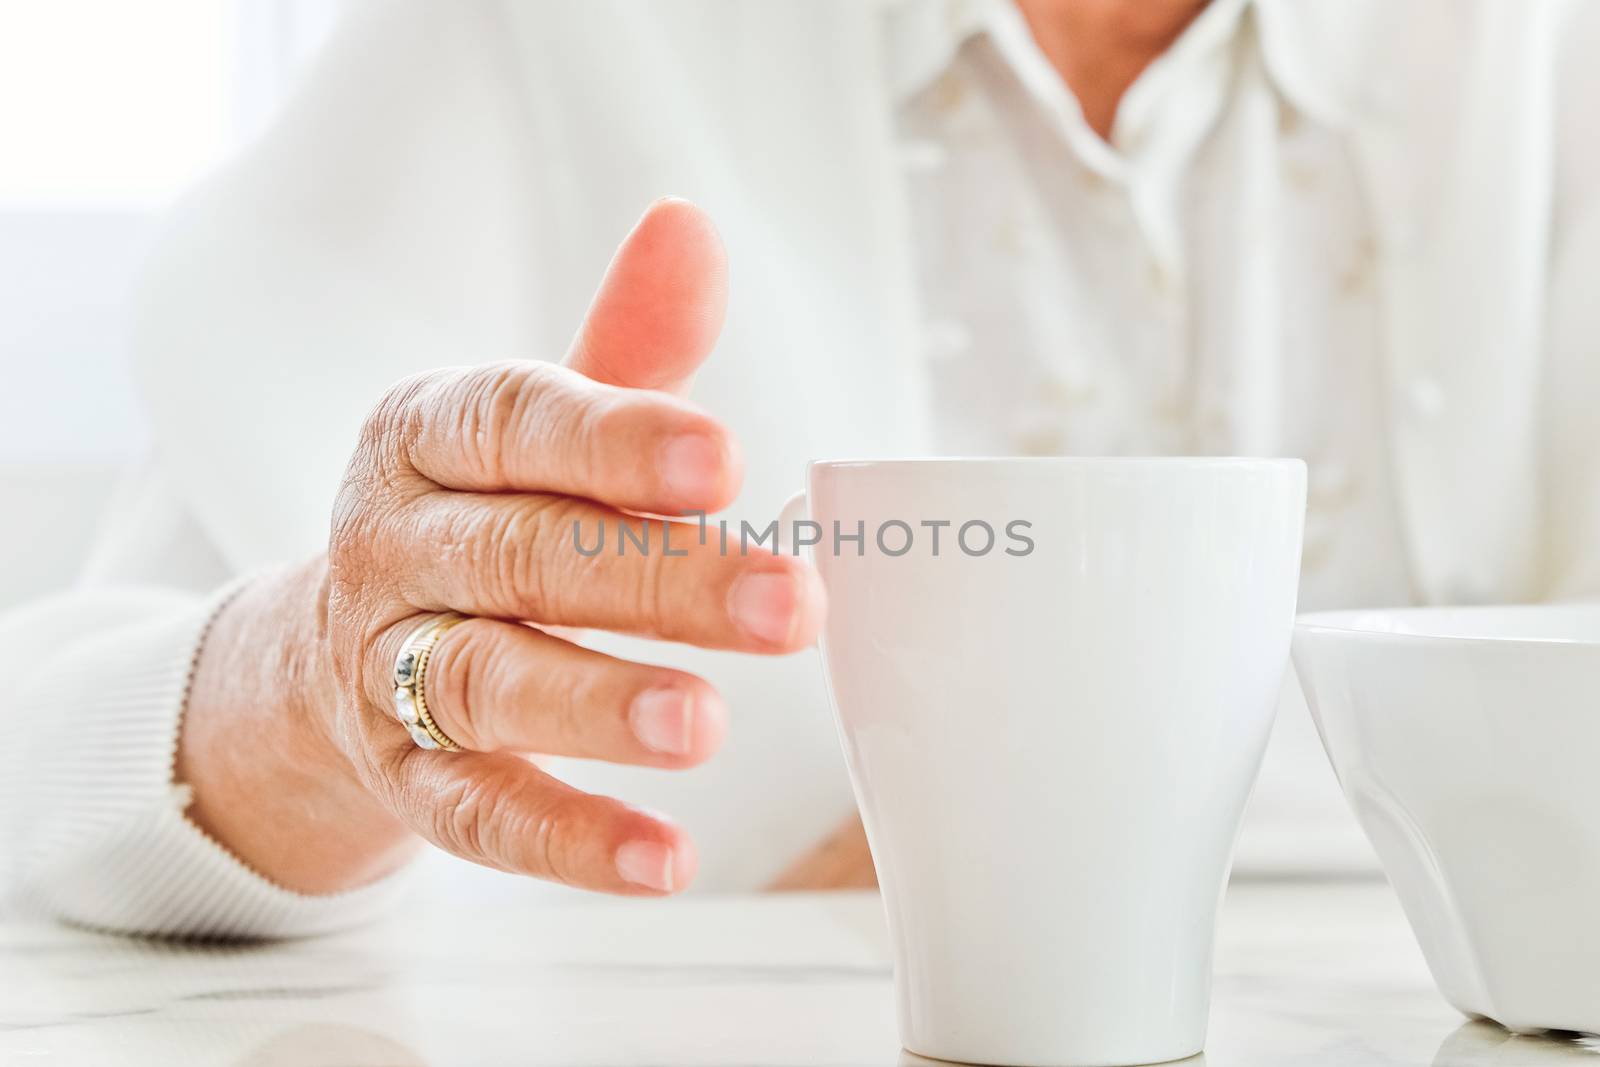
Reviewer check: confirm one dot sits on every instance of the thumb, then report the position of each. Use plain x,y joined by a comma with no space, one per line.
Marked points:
660,306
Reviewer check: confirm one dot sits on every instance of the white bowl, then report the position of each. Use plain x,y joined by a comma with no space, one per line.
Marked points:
1468,742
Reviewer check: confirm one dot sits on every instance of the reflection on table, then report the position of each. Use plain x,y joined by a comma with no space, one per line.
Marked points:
1307,974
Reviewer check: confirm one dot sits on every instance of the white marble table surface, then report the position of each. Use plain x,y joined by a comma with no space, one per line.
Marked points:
1307,974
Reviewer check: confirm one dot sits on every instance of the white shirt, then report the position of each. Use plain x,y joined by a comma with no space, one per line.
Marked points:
1086,298
1355,232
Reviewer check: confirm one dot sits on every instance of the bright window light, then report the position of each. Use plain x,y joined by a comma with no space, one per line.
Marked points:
109,103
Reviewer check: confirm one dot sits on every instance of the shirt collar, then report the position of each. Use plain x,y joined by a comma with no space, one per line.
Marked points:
925,35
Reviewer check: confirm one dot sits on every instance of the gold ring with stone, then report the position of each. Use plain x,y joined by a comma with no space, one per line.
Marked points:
410,685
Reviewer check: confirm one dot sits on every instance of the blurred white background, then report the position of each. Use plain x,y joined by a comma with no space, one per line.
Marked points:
108,111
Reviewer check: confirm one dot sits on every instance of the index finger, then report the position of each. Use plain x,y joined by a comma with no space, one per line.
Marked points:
527,426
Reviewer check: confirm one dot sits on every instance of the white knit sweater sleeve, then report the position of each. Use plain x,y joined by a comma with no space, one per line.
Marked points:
92,823
302,280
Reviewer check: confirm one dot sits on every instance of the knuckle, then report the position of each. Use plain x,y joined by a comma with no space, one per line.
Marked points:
347,528
362,595
489,412
380,768
380,758
653,594
380,469
634,413
611,415
506,408
479,817
355,531
370,663
460,688
349,661
460,818
577,433
397,412
517,566
569,695
555,836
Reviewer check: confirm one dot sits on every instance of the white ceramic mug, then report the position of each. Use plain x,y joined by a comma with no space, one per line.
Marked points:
1053,717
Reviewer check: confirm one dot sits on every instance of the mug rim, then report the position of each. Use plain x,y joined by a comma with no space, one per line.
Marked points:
1206,462
1379,624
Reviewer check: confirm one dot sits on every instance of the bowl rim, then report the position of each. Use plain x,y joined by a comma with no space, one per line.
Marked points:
1349,622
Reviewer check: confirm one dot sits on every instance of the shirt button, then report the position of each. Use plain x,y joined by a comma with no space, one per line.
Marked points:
1424,398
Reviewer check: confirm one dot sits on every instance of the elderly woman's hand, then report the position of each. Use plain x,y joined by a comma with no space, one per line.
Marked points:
462,497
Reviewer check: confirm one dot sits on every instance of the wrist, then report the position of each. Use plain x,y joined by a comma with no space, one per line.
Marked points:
259,748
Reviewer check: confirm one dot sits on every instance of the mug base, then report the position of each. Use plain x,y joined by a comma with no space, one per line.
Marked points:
1064,1061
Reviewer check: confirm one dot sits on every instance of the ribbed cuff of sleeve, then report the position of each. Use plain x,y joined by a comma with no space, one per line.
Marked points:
109,845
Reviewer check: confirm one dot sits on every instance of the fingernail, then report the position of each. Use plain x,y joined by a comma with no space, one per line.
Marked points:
646,863
691,465
664,720
764,605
